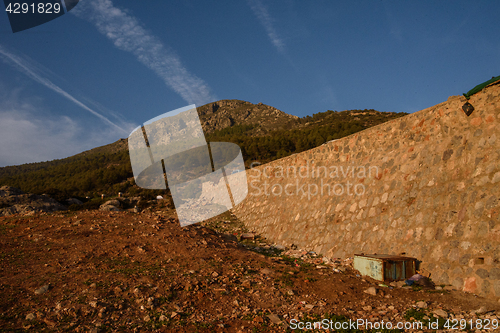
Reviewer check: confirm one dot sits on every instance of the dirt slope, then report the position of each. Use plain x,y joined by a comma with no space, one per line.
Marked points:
137,272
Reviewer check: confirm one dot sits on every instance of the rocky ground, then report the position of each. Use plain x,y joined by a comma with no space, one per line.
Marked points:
100,271
15,201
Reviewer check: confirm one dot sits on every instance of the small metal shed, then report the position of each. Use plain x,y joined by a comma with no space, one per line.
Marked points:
385,267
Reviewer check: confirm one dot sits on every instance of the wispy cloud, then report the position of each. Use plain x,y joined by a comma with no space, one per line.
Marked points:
28,133
395,29
267,22
127,34
36,72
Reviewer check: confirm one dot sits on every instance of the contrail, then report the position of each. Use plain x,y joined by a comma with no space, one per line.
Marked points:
31,71
265,19
128,35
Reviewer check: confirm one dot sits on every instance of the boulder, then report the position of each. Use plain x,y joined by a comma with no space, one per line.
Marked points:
111,206
74,201
132,201
113,202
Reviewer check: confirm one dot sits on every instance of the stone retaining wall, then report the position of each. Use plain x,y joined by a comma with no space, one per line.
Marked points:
427,185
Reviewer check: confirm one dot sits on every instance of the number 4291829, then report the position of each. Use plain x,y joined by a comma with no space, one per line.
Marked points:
40,8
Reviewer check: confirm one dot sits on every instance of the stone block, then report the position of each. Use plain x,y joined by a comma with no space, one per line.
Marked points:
482,273
494,273
470,285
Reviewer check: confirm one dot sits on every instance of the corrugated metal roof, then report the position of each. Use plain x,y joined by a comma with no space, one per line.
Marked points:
385,256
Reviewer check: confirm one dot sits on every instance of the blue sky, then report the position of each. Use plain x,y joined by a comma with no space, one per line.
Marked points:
91,76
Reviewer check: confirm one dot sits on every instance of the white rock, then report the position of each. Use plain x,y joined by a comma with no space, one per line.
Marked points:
481,310
441,313
371,291
42,290
274,318
422,305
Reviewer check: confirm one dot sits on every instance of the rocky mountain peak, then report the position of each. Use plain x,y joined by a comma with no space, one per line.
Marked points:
226,113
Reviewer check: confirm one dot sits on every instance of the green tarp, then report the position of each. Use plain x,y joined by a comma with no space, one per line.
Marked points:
480,87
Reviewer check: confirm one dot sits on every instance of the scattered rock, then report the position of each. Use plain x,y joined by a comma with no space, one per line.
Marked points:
441,313
481,310
422,305
266,271
42,290
274,318
30,316
247,236
371,291
49,322
397,284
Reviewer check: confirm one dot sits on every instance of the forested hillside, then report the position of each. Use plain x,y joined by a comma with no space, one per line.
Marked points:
306,133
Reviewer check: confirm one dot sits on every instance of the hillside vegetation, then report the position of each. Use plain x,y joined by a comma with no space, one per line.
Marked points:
107,169
302,133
